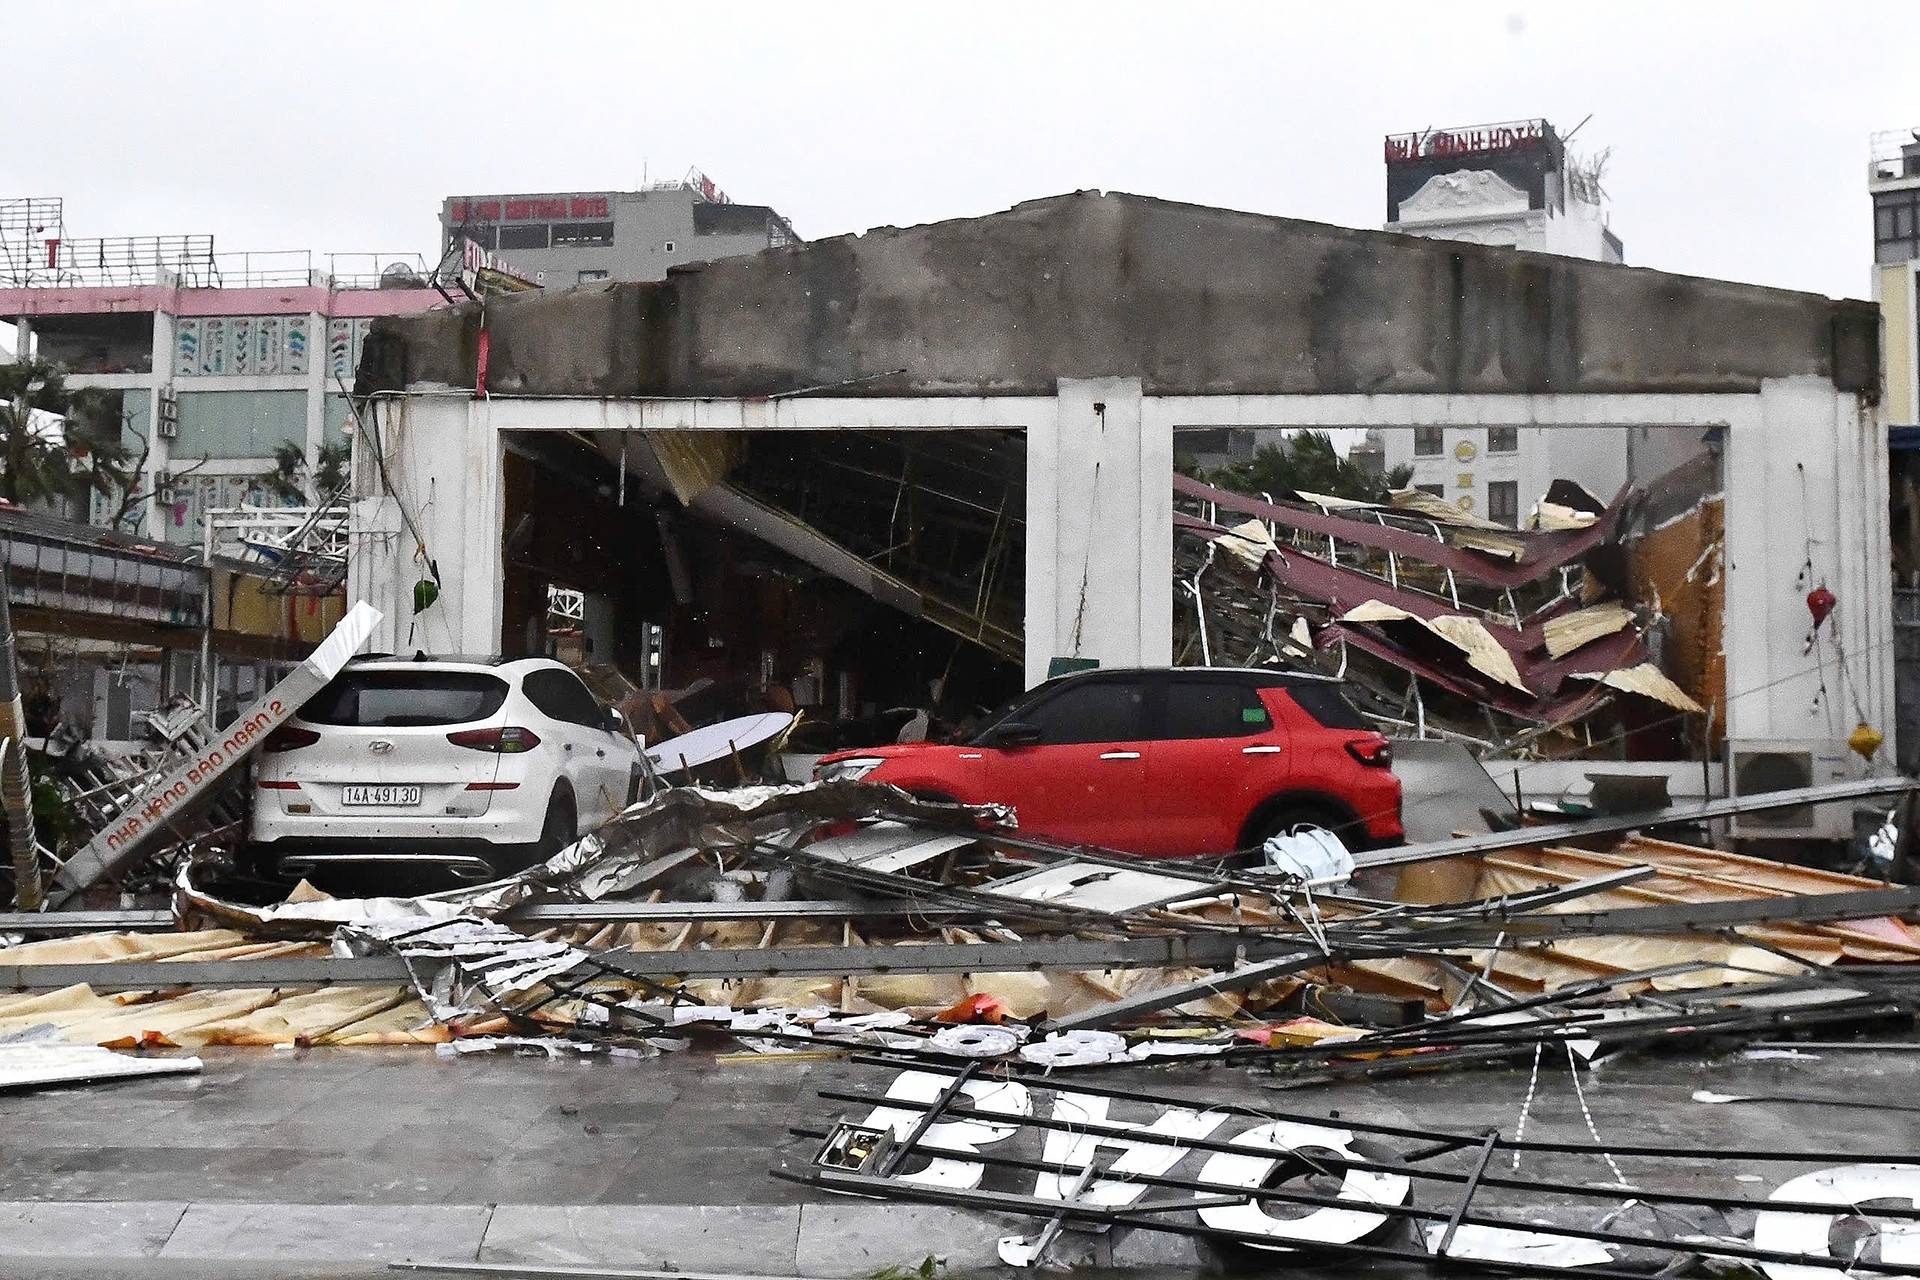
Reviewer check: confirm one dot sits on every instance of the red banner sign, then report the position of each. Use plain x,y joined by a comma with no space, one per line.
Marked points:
1446,143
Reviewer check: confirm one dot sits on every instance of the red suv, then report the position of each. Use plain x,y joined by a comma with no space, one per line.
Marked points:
1162,762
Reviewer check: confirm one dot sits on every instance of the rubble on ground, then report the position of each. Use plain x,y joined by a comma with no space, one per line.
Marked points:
791,915
939,944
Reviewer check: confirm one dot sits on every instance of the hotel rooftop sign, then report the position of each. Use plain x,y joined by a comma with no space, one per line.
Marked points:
1485,139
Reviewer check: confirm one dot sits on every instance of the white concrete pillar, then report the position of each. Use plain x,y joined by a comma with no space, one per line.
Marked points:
443,460
317,367
482,520
1806,487
1099,529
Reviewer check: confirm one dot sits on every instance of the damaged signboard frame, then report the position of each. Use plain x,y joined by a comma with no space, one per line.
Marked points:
193,782
1321,1189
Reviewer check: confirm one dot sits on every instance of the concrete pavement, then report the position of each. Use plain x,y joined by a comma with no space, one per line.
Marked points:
339,1161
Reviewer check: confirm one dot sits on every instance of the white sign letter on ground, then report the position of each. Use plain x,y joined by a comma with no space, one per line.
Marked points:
1071,1150
1267,1145
1782,1231
990,1098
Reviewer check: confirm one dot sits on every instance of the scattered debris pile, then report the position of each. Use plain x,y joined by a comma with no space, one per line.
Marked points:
838,914
1530,640
998,978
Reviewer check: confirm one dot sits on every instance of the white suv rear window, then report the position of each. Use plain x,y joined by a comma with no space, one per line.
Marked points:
389,699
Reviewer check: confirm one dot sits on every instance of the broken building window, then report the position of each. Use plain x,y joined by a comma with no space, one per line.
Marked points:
1503,502
530,236
1426,441
1503,439
570,234
1896,225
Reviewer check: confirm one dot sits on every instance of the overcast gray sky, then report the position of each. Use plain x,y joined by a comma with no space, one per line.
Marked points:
1739,132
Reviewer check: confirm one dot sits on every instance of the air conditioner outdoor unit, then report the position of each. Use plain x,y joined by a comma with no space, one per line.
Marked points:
1757,765
169,414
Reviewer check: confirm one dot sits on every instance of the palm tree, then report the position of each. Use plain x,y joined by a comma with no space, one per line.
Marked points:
56,443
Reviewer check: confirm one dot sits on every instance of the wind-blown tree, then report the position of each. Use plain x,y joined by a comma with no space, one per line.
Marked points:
56,443
284,481
62,445
1307,460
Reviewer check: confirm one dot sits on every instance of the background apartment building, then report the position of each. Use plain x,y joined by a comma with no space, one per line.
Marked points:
578,237
1893,185
1893,181
1512,185
217,358
214,362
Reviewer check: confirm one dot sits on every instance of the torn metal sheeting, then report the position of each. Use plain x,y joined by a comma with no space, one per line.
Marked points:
1066,939
1534,694
1500,697
1440,511
1048,881
1249,543
41,1064
1545,551
887,847
1470,636
715,742
1095,887
1570,631
646,840
1486,617
1648,681
1689,811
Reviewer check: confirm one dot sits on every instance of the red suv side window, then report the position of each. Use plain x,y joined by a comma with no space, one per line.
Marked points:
1213,709
1097,711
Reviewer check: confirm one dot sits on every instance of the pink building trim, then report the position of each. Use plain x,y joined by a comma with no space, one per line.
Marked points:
82,300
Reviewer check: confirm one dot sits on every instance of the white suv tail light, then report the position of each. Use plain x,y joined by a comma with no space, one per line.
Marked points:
508,740
289,738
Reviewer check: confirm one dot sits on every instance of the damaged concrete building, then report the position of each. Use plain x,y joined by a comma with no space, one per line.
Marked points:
930,462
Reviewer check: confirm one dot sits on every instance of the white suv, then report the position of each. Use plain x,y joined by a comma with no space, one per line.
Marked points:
477,767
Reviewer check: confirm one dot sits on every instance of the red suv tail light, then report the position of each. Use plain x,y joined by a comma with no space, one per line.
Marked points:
288,738
1375,753
509,741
